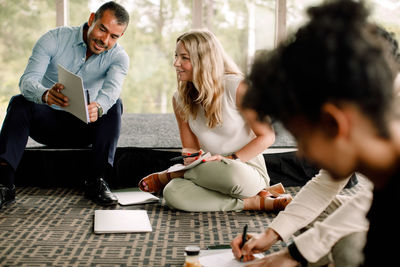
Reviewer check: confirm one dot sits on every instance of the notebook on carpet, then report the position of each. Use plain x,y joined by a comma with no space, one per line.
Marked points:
221,258
132,196
121,221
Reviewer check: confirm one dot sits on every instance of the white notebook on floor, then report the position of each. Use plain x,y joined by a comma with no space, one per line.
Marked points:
131,196
121,221
221,258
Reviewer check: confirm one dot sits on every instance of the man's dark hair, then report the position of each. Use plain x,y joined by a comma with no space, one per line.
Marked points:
119,11
330,59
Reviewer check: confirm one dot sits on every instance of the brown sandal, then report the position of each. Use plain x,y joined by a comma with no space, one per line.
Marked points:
276,189
271,202
152,182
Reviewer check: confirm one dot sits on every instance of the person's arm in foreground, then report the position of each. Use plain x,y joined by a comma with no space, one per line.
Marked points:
319,240
311,200
278,259
348,218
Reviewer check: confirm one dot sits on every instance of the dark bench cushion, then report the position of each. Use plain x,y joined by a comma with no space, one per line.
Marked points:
146,144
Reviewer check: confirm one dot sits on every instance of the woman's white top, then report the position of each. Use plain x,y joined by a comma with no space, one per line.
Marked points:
233,134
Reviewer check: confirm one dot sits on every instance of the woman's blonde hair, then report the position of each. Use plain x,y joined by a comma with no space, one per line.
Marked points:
210,64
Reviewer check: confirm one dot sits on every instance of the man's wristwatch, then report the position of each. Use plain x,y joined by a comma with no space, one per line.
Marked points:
99,110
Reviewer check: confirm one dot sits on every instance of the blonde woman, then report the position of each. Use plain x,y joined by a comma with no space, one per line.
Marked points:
207,110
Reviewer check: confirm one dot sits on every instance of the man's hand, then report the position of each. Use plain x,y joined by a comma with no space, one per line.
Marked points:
55,97
278,259
256,243
93,112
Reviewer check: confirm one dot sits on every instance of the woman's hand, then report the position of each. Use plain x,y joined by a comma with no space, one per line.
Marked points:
216,157
188,152
256,243
278,259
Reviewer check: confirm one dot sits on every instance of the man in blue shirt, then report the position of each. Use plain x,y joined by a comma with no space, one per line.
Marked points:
91,52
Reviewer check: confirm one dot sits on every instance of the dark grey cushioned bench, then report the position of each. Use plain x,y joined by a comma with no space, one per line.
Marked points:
146,143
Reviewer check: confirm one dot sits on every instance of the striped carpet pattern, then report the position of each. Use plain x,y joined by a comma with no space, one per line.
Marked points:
54,227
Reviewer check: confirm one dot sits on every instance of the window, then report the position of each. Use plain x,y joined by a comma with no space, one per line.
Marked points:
21,24
383,12
242,26
150,43
151,36
386,13
296,13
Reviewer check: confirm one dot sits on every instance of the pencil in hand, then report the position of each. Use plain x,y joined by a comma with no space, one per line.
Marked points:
185,156
244,238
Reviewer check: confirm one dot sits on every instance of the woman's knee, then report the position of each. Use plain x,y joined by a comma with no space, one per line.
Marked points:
174,194
170,193
239,178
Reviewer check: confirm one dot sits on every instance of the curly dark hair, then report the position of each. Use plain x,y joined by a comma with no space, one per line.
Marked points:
390,45
119,11
330,59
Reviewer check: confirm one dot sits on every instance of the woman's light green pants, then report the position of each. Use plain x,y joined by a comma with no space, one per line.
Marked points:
217,185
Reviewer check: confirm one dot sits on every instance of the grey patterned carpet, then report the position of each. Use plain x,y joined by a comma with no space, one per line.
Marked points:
54,227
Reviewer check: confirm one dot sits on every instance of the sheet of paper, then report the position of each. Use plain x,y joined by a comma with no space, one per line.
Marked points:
222,258
121,221
73,89
181,167
134,197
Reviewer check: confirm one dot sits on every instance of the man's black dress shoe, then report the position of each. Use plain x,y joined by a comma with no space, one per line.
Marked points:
99,192
7,195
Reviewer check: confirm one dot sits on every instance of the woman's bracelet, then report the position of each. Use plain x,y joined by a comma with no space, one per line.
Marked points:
234,156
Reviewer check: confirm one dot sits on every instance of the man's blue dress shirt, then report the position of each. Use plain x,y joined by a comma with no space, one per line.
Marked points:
102,74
